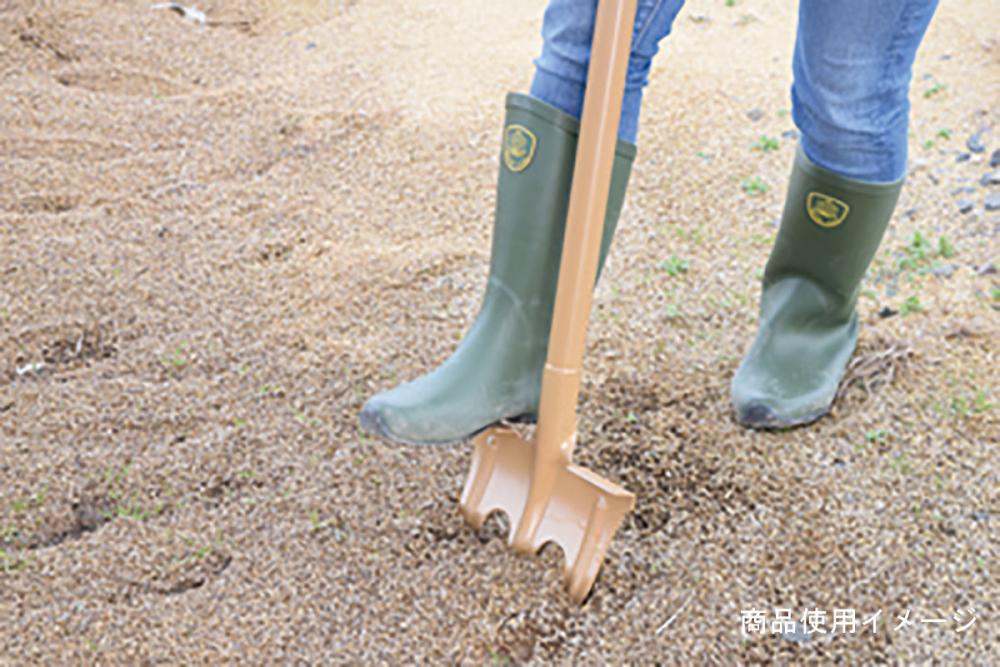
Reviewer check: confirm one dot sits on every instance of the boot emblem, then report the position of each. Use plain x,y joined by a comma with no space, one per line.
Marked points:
826,211
518,147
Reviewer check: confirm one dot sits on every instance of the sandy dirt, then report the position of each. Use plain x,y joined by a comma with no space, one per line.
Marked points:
217,240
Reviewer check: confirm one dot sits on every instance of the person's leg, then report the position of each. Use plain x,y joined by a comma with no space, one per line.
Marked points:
561,69
495,373
852,68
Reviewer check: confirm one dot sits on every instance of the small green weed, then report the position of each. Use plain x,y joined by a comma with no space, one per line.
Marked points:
900,464
934,90
754,186
916,252
945,247
964,405
34,500
674,266
175,360
911,306
10,562
872,437
766,144
672,311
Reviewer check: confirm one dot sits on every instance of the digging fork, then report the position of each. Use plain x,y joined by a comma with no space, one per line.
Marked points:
545,495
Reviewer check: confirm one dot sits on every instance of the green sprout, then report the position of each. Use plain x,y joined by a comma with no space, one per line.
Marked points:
176,359
934,90
672,311
674,266
754,186
916,252
911,306
766,144
945,247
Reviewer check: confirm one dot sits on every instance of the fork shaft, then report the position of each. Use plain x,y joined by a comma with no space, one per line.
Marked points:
555,437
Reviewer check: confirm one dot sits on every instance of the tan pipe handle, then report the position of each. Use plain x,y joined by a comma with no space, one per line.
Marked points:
556,434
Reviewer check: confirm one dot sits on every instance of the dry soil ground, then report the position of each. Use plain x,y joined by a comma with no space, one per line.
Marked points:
216,240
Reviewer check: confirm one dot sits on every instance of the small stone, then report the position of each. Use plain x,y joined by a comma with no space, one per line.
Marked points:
791,135
755,114
30,369
995,158
963,157
887,312
800,635
986,269
991,178
310,46
943,270
911,213
947,528
964,190
992,201
975,143
980,515
965,205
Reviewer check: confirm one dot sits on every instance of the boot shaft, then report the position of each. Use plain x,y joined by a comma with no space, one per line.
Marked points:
831,228
536,170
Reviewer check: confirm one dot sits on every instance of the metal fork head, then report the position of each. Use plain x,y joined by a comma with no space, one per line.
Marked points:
581,511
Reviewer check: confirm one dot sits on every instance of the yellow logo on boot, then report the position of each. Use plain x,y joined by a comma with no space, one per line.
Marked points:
826,211
518,147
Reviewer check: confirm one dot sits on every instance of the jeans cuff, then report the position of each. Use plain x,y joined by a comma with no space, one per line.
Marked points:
567,96
560,92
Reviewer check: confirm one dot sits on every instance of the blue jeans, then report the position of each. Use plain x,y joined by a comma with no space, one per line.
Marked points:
852,66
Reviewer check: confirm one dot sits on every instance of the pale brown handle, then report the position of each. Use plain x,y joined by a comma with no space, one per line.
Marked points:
588,202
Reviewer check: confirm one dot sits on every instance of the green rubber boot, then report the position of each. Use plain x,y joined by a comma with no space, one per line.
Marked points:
496,371
830,230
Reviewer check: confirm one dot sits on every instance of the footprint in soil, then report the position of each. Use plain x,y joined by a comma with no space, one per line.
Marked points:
44,34
86,516
116,82
60,351
197,570
50,203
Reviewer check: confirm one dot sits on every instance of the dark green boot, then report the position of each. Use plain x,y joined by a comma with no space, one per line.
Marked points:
496,371
830,230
